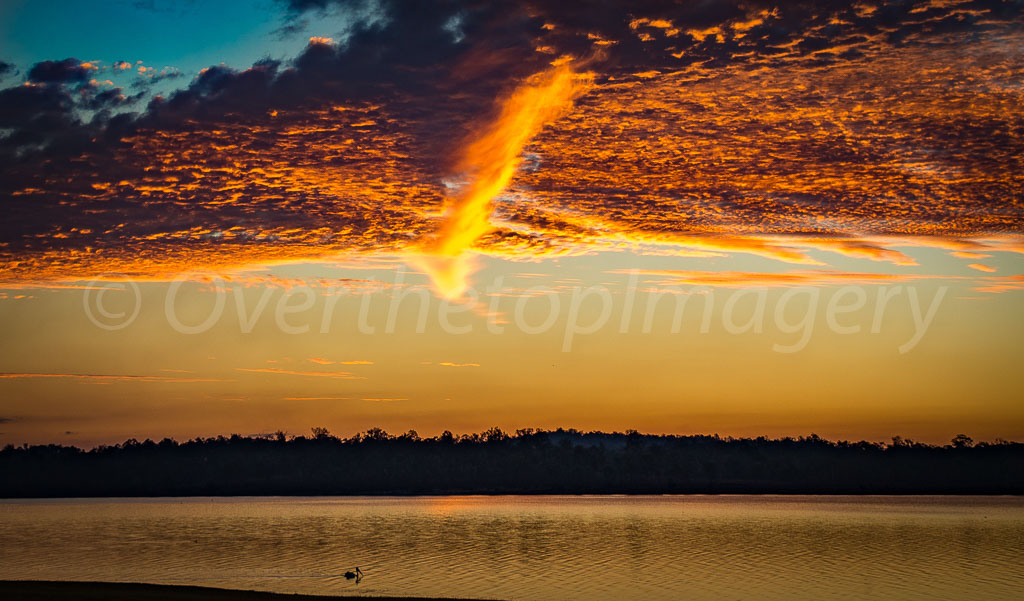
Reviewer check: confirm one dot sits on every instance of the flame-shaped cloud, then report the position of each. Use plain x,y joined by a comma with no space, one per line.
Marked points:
490,162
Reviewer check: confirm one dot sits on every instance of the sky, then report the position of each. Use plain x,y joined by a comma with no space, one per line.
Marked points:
743,218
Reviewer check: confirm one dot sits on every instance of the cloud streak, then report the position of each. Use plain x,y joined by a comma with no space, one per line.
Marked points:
491,161
105,377
339,375
745,279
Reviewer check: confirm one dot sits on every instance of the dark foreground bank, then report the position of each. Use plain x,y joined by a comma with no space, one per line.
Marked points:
43,590
527,462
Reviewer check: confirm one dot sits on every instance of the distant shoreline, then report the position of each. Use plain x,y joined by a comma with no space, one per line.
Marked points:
528,462
40,590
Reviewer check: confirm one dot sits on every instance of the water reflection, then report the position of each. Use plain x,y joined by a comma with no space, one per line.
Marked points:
533,548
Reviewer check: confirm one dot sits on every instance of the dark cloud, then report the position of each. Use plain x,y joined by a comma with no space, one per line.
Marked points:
69,70
106,99
146,82
6,420
412,64
6,69
712,117
37,115
45,122
646,34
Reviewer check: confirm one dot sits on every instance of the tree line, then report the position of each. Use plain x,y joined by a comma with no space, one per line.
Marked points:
528,461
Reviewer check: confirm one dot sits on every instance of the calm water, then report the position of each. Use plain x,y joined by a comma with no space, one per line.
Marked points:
534,548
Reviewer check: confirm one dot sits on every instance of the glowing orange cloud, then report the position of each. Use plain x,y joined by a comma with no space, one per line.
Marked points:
695,162
490,162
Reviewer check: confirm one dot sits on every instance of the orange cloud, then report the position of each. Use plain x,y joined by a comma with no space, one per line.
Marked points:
997,285
322,361
696,160
109,377
784,279
341,375
490,162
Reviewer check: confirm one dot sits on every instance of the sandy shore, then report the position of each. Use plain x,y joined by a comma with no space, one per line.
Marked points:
39,590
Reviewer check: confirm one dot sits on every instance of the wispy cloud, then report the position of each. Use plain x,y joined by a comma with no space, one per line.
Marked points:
322,361
996,285
108,377
341,375
780,279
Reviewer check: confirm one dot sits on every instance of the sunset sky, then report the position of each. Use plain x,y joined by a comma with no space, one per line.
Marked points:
745,218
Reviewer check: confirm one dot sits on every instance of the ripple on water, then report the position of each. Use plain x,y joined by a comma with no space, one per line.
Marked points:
534,548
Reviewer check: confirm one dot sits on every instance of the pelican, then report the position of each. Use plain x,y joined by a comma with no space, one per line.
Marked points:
357,574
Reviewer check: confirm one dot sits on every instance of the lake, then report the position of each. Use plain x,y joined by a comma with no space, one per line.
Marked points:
533,547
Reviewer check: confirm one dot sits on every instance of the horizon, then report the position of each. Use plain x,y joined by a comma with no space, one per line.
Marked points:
320,432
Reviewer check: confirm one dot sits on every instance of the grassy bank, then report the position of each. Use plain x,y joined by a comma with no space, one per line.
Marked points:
39,590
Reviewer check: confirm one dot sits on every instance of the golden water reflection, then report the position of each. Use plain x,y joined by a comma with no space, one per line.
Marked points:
533,548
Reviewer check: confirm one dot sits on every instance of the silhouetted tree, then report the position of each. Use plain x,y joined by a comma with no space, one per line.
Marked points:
529,461
962,441
321,433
